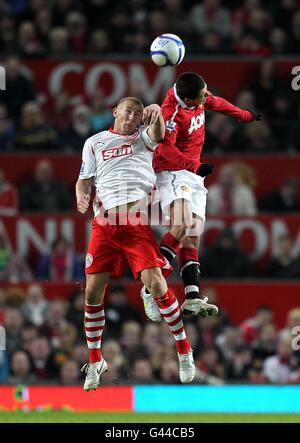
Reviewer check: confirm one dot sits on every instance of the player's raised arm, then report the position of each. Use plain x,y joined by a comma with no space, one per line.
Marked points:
219,104
152,115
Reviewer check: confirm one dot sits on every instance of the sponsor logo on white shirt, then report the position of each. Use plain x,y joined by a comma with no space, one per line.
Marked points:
119,151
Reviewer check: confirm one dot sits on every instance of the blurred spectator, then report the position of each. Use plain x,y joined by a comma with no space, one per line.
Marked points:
228,342
4,367
8,197
209,15
239,367
225,259
142,372
179,21
28,42
35,307
113,355
75,312
60,114
29,333
282,117
99,42
34,133
19,88
283,367
169,372
118,311
295,34
60,264
266,343
229,197
79,130
101,118
249,44
265,85
7,34
21,372
210,363
2,304
130,335
292,321
44,193
40,357
80,354
56,321
278,41
13,323
219,132
252,326
13,268
284,264
76,26
285,199
7,130
255,138
70,373
59,42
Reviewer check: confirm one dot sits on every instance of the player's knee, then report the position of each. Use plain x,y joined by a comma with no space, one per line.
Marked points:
157,284
92,295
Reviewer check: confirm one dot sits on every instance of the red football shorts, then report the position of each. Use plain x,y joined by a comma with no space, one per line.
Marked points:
114,247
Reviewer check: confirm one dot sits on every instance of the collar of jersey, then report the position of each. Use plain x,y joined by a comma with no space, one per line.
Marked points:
181,102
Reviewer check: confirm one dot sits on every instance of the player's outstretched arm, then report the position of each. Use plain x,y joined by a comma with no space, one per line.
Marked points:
219,104
83,194
152,116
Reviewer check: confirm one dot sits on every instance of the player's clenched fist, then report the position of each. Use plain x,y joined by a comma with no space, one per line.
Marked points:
83,201
151,114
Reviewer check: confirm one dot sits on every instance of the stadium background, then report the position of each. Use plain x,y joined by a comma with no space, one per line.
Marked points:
67,64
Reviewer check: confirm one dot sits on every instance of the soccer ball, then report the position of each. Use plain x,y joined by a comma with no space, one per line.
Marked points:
167,50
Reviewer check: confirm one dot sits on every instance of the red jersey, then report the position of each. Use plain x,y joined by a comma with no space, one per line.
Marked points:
185,128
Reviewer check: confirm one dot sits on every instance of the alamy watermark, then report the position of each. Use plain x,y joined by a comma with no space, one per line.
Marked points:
296,339
2,339
2,79
296,80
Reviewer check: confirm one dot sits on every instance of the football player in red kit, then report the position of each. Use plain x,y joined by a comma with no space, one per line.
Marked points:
180,182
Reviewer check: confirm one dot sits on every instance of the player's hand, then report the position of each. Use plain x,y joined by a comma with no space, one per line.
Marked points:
257,116
83,201
205,169
151,114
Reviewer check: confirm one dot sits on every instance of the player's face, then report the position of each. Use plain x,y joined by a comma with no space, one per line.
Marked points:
128,116
200,100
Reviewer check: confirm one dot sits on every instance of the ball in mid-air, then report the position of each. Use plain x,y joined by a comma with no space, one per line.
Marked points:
167,50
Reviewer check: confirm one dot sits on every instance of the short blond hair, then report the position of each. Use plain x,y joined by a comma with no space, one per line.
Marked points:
135,100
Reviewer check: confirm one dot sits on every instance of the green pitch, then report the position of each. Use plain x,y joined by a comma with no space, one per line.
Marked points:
131,417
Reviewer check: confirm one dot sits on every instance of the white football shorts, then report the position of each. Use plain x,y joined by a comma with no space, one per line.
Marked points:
174,185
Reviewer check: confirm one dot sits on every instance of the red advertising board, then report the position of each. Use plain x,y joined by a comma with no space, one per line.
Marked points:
72,398
119,77
258,235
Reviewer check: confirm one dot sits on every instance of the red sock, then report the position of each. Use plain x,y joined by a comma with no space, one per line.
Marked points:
169,309
94,321
169,246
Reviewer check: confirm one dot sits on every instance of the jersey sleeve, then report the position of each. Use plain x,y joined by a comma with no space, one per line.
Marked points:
88,165
167,147
147,140
219,104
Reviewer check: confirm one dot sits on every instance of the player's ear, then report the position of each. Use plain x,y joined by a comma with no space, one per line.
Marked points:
115,110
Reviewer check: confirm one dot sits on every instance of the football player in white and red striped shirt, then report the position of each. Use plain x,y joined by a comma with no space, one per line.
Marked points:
119,163
180,182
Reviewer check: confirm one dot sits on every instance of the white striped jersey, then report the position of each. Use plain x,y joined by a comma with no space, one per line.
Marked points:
121,166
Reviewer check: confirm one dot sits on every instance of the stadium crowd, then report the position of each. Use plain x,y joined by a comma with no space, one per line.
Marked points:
43,28
46,344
